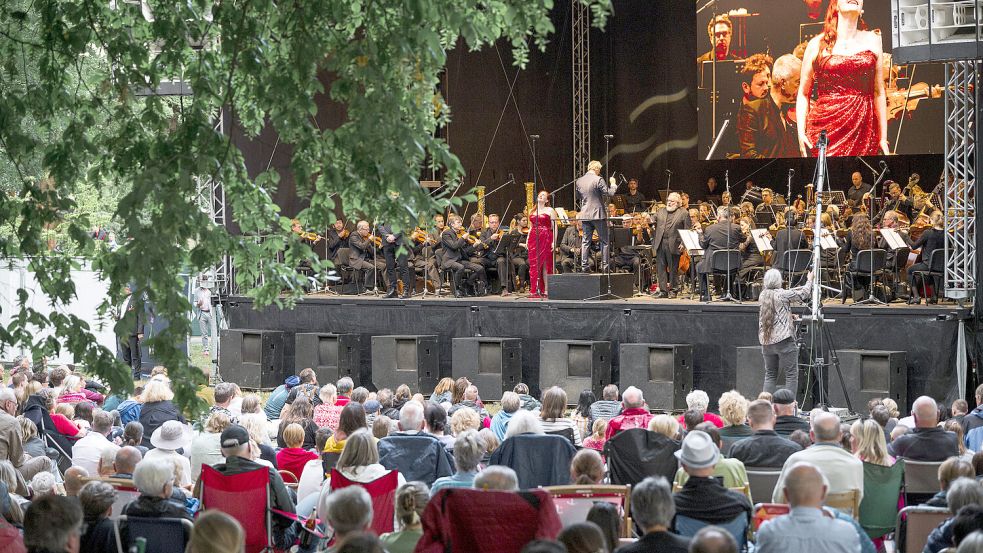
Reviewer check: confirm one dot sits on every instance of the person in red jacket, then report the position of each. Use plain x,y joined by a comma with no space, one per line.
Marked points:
634,415
698,400
294,456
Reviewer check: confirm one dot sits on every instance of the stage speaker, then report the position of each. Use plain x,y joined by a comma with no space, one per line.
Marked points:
664,372
750,377
574,365
252,358
494,365
332,356
581,286
868,374
409,359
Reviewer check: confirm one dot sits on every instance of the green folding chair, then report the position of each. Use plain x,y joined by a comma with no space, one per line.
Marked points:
882,488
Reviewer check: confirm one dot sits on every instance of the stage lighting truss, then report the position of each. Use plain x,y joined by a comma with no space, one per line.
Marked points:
960,179
580,27
211,200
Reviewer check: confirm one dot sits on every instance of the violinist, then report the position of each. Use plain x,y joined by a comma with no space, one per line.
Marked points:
424,259
751,257
455,243
767,205
897,202
437,229
890,221
860,237
335,239
397,262
363,256
491,257
570,247
667,246
723,234
726,198
298,229
788,238
520,255
932,239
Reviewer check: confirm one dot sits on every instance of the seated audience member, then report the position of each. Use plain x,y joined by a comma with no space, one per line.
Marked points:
206,448
713,539
435,424
126,462
553,414
962,493
899,430
312,477
868,445
470,401
33,445
608,406
216,532
238,459
491,443
360,542
703,497
927,442
155,480
382,426
730,471
372,408
417,455
348,511
667,426
806,528
698,401
975,417
411,500
97,500
691,419
293,457
581,414
765,448
75,479
526,401
328,412
167,440
11,444
587,468
953,426
881,416
307,388
53,524
842,470
352,419
786,410
582,537
733,411
969,520
607,517
42,484
157,409
345,387
359,461
469,449
596,439
524,422
950,470
386,402
801,439
497,477
277,399
544,546
633,415
500,422
224,392
442,391
87,452
133,436
299,412
653,510
11,540
960,408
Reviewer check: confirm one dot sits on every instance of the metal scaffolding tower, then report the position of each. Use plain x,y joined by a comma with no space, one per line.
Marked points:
960,179
580,41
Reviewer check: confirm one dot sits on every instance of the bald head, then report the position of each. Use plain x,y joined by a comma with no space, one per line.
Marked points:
713,539
632,398
73,480
805,486
127,459
825,427
925,412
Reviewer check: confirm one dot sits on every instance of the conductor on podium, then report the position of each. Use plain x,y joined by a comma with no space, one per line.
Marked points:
593,212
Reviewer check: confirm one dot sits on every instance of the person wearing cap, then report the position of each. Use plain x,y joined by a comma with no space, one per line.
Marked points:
765,448
842,470
238,459
786,420
277,399
703,497
170,437
372,408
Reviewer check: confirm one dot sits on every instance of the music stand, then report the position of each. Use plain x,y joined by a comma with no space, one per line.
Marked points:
508,242
619,202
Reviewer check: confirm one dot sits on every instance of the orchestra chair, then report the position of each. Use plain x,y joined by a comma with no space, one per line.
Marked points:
795,264
244,497
163,535
936,271
349,273
879,508
921,481
574,502
762,482
900,260
126,492
915,523
728,264
846,502
870,264
382,490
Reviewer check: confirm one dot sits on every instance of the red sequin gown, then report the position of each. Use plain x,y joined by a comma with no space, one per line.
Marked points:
845,105
540,252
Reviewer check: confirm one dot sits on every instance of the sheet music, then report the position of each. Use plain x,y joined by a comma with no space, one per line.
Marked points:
562,215
892,238
762,239
827,241
691,241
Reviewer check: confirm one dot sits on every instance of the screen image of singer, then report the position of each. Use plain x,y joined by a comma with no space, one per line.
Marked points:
749,67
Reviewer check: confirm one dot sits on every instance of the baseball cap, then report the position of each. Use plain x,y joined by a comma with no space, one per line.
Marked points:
783,397
291,381
234,436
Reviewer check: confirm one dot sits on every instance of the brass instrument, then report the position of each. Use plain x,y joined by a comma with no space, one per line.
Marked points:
530,196
480,192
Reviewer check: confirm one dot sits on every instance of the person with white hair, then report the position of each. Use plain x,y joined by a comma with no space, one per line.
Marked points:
410,418
634,414
667,244
157,408
510,406
699,401
524,422
760,129
155,480
927,442
469,449
653,509
593,214
497,477
776,329
43,484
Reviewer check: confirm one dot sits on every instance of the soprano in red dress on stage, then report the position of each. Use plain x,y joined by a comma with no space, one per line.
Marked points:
540,244
844,64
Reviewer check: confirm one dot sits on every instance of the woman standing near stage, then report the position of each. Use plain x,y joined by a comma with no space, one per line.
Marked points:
540,244
776,330
844,63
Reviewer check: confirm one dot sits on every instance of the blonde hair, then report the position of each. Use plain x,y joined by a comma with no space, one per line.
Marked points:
594,165
293,435
66,409
411,500
216,532
665,425
892,407
257,428
444,385
28,429
464,419
73,384
217,423
869,443
599,428
587,467
157,390
733,408
328,394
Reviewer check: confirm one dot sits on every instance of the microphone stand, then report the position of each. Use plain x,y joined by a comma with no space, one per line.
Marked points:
668,183
730,222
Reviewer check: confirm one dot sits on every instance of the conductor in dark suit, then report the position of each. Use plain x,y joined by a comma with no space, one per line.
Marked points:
666,243
721,235
132,335
593,212
762,130
788,238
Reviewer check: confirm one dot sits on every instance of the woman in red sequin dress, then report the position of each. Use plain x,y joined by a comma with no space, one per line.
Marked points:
844,64
540,244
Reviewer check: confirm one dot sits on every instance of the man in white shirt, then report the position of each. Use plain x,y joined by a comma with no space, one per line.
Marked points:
843,471
87,452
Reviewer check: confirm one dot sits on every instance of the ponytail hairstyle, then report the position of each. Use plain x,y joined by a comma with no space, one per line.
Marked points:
411,500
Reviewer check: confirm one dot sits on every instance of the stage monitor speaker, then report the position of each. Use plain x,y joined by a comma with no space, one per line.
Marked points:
582,286
750,376
663,372
868,374
252,358
494,365
574,365
332,356
409,359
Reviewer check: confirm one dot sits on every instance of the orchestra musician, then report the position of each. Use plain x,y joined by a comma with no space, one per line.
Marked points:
719,236
767,205
751,257
858,238
634,200
424,260
336,238
438,228
859,190
397,262
725,198
720,30
788,238
494,257
363,246
455,243
896,201
712,188
931,239
593,191
667,246
762,130
570,247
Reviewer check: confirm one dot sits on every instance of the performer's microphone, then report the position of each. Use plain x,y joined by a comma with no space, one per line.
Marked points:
534,136
511,178
669,171
883,164
791,172
609,136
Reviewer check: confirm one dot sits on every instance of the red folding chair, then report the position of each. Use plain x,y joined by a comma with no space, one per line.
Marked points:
382,490
246,498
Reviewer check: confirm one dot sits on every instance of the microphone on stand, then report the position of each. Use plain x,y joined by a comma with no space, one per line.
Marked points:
609,136
669,171
791,172
534,136
511,178
883,165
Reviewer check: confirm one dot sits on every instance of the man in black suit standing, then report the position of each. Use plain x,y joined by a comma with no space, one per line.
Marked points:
788,238
721,235
129,341
397,264
593,213
667,245
762,130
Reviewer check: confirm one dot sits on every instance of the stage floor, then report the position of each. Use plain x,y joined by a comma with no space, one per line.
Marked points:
927,333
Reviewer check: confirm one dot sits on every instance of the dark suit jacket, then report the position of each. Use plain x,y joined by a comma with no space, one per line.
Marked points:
765,449
454,247
594,191
787,239
664,542
334,243
925,444
362,248
718,236
667,227
141,316
762,134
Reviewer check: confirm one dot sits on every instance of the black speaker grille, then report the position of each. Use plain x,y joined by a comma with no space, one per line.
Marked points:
252,348
579,361
489,358
327,351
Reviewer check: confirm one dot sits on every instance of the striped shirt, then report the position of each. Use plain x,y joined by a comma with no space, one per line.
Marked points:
783,327
556,425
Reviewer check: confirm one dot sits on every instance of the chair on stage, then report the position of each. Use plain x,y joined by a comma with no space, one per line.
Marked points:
935,272
869,265
795,264
728,264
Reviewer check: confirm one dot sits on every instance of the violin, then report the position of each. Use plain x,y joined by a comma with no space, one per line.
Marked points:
903,100
376,240
463,233
419,236
344,234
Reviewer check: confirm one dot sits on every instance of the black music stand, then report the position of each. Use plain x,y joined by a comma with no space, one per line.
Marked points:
508,243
